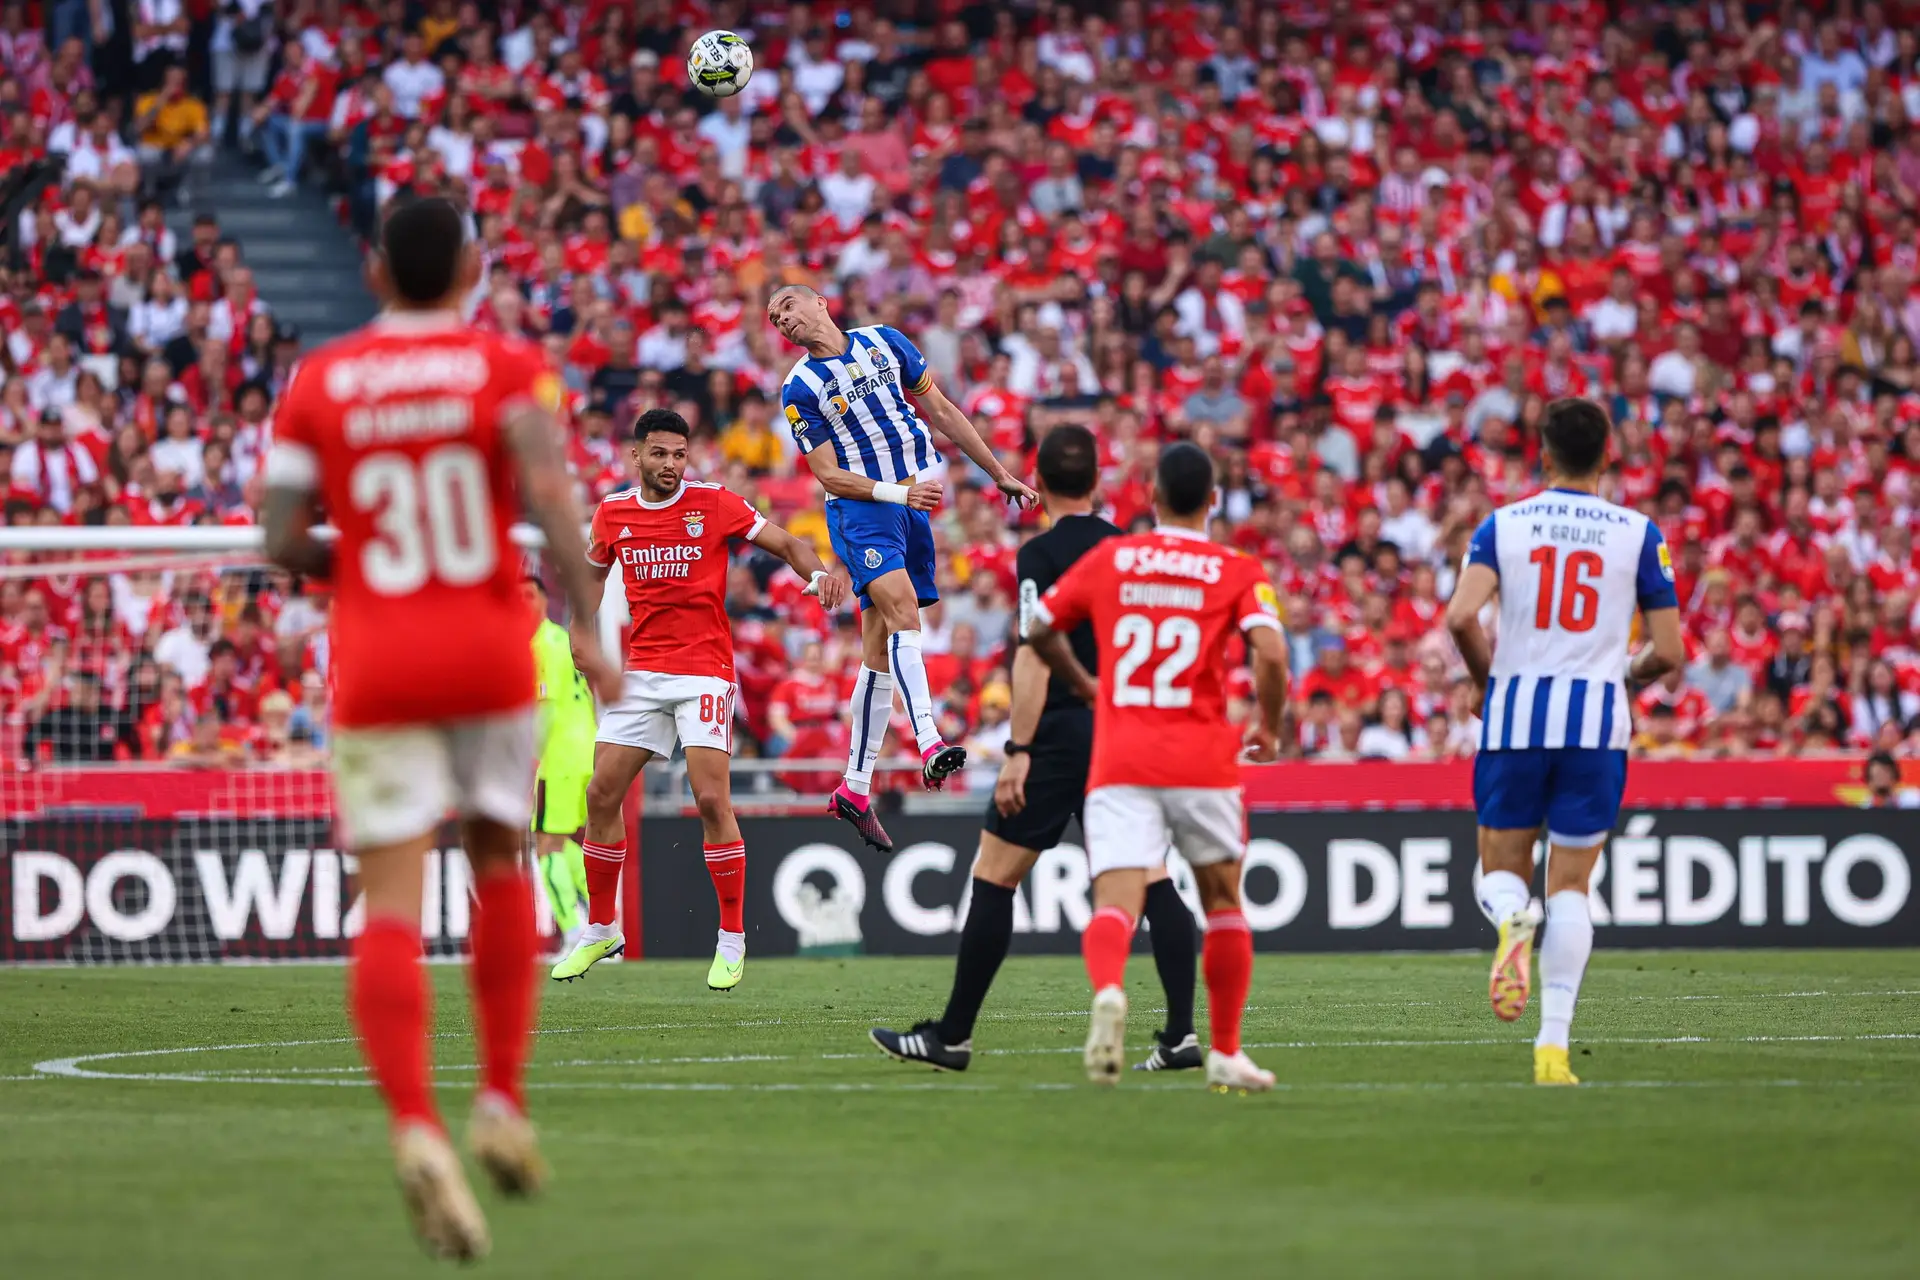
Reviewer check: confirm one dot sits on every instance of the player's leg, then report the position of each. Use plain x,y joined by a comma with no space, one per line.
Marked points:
871,706
709,773
560,810
1510,799
1586,790
938,760
1170,929
946,1042
1126,838
390,828
493,761
1208,826
639,727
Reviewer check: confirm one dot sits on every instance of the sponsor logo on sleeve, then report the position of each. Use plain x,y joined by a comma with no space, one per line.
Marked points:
1269,601
1666,562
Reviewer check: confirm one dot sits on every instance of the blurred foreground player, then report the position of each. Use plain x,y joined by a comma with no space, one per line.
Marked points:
1042,787
420,439
669,537
1165,607
566,763
1571,569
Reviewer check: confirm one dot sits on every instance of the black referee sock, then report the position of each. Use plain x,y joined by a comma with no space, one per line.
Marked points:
1170,926
984,940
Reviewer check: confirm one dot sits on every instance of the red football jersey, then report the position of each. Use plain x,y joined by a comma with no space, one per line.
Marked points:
1164,607
396,429
672,556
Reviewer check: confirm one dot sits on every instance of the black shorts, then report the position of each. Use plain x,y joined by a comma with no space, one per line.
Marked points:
1056,782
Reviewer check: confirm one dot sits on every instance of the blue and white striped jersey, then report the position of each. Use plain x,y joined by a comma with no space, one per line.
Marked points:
1574,569
858,403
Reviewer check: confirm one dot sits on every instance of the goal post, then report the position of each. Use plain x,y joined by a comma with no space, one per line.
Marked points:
148,845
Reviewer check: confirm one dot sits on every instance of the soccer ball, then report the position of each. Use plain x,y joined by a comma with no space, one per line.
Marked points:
719,64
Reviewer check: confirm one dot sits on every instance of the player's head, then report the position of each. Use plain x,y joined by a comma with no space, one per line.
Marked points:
534,592
424,260
1068,462
800,314
1183,484
660,451
1575,433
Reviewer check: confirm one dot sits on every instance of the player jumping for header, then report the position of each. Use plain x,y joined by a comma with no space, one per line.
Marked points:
846,404
669,537
1571,569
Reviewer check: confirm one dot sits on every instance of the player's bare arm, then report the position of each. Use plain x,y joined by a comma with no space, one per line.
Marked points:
945,417
1477,584
286,516
1030,678
1270,677
804,560
1054,650
922,495
1666,648
548,492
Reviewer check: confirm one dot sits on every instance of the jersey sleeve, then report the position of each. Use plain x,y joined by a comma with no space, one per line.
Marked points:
804,419
599,539
1036,573
914,374
1653,582
1482,548
739,518
1257,605
1069,602
293,457
521,373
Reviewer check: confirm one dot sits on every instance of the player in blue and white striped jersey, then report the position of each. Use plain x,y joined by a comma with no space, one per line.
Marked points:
846,404
1571,570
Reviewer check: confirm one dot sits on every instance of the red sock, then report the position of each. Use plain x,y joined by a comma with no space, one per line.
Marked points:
1104,947
388,1000
727,864
1226,957
603,880
506,942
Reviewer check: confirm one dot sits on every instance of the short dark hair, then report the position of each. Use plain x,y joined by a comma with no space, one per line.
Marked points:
1576,434
1068,461
1184,478
661,420
421,241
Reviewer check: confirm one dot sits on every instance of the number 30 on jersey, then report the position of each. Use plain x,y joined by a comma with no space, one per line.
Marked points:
434,518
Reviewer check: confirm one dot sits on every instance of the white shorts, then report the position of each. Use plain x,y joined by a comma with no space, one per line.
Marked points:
657,710
1131,828
394,784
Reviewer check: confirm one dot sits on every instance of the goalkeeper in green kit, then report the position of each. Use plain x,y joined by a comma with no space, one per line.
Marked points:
566,729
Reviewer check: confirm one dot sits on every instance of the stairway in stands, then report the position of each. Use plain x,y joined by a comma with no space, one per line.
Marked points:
305,264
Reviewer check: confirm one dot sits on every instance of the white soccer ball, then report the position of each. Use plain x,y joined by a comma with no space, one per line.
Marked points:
719,64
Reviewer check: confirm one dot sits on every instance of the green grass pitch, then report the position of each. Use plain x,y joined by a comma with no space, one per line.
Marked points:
1753,1114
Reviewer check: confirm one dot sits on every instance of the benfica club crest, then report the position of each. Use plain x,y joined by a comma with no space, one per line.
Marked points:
696,523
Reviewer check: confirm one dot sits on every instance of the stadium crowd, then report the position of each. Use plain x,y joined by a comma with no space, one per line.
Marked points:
1353,249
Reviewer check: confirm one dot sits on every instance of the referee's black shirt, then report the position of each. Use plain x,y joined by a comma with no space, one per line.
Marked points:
1041,563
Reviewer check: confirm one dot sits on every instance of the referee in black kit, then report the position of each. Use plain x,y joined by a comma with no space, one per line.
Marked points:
1041,788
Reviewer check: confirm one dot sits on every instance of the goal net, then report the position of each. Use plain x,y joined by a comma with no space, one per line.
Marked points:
164,794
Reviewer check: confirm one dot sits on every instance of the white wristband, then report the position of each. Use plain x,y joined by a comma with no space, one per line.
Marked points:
894,493
813,584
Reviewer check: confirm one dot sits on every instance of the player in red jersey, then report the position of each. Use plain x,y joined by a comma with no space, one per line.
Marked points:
420,439
1164,607
669,537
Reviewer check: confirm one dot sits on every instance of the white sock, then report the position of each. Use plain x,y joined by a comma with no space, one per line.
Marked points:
732,946
1563,962
599,933
910,677
867,715
1501,894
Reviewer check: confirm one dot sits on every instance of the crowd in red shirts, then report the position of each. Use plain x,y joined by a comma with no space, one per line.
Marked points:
1352,249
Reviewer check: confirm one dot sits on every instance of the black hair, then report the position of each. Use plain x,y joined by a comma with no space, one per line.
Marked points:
660,420
421,241
1068,462
1184,478
1885,761
1576,433
535,580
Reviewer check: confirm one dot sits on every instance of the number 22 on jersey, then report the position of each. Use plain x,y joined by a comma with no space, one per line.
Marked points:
1170,649
434,519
